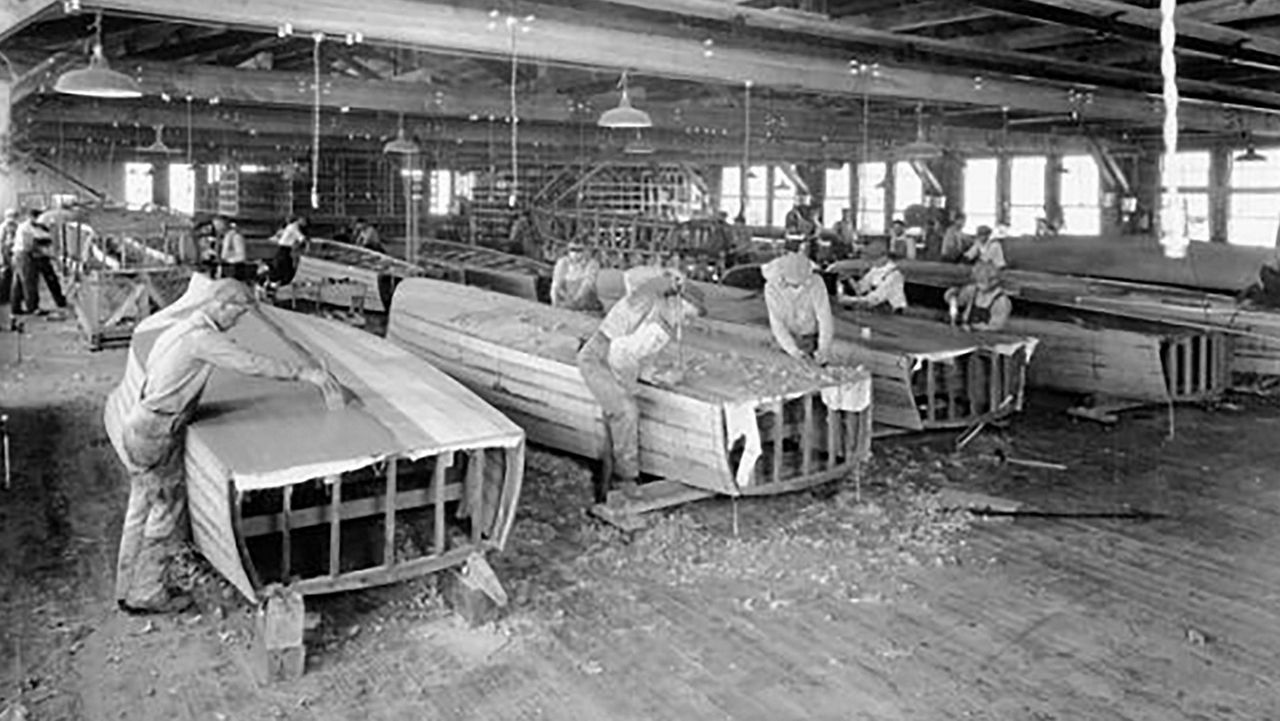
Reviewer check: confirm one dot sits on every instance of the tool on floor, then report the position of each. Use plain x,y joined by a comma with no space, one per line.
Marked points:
981,422
4,431
1005,459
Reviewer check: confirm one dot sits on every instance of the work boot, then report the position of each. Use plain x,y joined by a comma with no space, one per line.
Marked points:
628,488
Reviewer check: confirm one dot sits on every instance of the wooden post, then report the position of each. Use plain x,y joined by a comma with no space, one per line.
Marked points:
806,435
779,427
389,519
335,527
475,492
443,462
930,389
833,432
286,531
282,656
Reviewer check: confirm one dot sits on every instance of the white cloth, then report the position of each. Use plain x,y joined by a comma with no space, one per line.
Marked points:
883,284
290,236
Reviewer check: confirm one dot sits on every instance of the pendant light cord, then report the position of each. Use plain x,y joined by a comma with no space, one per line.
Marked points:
315,123
515,120
746,148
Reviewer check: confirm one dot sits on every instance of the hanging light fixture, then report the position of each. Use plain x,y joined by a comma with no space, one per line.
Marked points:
98,80
1250,154
624,116
157,145
920,148
401,145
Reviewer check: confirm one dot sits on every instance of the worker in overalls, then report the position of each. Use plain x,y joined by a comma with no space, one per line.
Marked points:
151,438
619,355
573,281
881,288
983,304
799,308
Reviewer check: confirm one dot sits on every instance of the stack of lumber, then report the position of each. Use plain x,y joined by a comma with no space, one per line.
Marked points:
1113,338
926,374
488,268
744,419
283,490
348,275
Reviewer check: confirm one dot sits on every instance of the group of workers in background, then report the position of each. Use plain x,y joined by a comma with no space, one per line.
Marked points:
26,257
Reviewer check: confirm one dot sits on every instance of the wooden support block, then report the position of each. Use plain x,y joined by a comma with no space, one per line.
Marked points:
1093,414
471,593
280,625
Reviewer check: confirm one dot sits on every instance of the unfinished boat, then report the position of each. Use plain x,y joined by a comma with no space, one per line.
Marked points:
745,420
347,275
1120,340
487,268
417,475
927,375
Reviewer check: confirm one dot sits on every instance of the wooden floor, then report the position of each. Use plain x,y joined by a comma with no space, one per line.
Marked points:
1036,618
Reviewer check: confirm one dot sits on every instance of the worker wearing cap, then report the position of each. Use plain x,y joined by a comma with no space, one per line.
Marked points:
151,436
618,356
799,308
983,304
573,281
290,241
883,287
986,249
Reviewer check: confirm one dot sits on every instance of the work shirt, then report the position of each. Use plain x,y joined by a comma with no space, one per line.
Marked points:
883,284
986,309
290,236
573,284
8,229
231,248
991,252
368,238
797,311
26,237
183,358
637,330
953,243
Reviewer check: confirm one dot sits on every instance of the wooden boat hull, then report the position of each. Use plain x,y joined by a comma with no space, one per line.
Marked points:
346,275
743,421
414,477
488,268
926,375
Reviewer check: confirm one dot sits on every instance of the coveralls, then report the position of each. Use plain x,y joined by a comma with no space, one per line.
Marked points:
636,328
153,434
799,308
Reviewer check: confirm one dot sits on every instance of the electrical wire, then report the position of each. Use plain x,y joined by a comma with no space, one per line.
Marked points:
515,119
315,123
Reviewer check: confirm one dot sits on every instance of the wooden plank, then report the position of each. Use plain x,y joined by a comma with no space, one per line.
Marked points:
833,434
443,462
779,425
253,526
806,436
286,531
475,491
389,517
335,527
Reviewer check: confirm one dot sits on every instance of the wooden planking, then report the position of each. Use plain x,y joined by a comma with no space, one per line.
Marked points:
1096,361
211,512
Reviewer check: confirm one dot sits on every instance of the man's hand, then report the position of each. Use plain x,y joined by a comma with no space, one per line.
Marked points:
669,377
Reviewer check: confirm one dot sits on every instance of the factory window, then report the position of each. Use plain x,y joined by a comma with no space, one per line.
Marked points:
731,190
182,188
836,196
871,178
1081,205
980,196
1255,195
785,192
1026,194
138,185
1193,192
447,186
758,195
908,189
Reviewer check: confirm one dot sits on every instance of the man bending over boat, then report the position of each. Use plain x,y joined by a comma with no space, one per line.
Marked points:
152,437
799,308
618,356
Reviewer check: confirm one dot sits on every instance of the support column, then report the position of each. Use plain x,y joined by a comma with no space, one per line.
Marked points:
8,191
160,182
1219,193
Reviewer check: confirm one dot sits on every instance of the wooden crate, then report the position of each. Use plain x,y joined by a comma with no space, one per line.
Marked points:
743,421
109,304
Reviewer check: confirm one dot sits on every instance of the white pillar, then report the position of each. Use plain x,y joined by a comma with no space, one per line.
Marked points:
8,169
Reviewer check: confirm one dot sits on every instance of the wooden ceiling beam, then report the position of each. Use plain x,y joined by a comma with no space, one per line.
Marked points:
16,15
919,16
1238,46
431,25
1227,11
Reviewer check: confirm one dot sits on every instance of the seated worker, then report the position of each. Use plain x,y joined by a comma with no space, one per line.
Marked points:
883,287
983,304
954,243
573,281
799,309
366,236
618,356
985,249
1266,292
901,245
